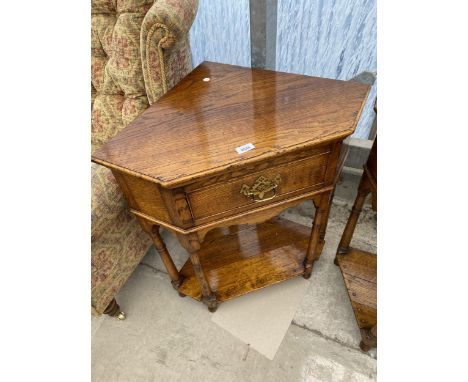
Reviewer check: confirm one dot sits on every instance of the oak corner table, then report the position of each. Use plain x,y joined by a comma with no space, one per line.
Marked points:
219,156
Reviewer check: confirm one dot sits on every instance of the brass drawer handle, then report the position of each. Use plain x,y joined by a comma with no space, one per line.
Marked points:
260,188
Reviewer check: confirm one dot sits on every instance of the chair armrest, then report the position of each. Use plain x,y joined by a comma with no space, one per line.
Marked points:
166,22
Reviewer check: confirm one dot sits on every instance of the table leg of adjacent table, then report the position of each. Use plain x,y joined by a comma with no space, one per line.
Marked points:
363,191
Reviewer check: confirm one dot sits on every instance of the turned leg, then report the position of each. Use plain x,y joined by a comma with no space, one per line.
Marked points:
176,279
369,338
113,310
191,243
208,297
153,232
374,201
363,191
311,254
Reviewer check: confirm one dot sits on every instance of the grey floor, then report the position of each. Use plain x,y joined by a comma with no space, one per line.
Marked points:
167,338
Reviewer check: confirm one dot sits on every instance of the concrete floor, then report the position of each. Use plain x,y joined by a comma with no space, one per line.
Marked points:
167,338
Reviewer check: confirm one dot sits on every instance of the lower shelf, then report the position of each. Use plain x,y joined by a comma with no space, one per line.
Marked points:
359,269
240,259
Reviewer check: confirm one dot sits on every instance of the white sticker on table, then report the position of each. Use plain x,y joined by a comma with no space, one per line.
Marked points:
245,148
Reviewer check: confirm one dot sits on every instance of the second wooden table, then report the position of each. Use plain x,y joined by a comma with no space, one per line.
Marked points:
219,156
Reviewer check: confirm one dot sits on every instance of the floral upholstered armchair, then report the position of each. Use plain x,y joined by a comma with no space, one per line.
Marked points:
139,50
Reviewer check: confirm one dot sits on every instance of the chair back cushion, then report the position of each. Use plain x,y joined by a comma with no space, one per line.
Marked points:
118,87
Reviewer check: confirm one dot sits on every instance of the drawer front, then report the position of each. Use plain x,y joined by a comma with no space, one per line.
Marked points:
258,188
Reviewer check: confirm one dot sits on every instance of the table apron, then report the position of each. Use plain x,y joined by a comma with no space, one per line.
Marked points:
223,221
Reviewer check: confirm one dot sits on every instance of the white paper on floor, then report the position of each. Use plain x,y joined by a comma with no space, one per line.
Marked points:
262,318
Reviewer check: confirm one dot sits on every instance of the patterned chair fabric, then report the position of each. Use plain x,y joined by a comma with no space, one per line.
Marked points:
139,50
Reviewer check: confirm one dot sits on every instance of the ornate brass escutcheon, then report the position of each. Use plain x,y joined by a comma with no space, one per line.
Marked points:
260,188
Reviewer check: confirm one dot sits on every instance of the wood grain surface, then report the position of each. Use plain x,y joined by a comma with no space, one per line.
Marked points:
178,168
193,130
297,177
359,269
240,259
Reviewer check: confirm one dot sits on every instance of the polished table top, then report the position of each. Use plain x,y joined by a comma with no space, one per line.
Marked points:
194,129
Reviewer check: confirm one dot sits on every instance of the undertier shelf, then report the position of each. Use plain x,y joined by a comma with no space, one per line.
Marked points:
240,259
359,270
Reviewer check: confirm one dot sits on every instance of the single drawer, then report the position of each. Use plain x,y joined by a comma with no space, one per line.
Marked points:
258,188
